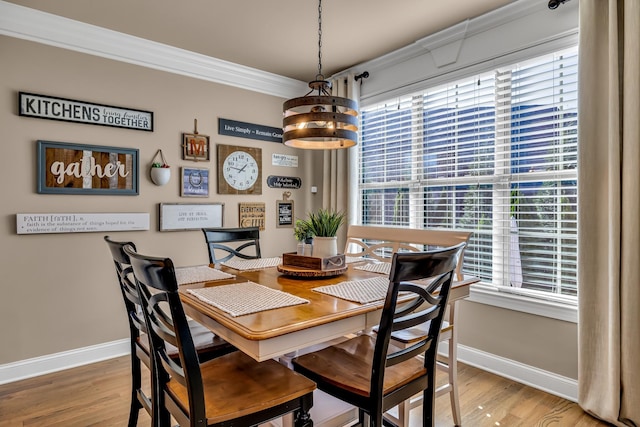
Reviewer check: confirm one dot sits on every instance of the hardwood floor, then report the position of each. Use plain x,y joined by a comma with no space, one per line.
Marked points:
98,395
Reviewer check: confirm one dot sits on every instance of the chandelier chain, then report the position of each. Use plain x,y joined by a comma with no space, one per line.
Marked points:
320,38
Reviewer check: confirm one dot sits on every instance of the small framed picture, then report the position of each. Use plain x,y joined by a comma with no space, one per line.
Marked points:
284,211
195,182
195,147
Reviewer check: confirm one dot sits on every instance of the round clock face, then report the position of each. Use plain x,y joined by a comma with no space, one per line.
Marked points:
240,170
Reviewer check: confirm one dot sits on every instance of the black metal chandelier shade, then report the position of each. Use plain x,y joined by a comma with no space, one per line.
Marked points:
318,120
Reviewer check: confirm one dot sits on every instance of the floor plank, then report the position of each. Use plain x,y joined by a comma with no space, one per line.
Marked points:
98,395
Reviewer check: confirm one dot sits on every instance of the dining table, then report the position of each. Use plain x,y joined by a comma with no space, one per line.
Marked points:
314,319
277,332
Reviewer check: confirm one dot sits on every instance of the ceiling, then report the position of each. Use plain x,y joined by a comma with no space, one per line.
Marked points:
278,36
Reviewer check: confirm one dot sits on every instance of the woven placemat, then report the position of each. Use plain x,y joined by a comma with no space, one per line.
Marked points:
239,299
362,291
353,259
199,273
252,264
377,267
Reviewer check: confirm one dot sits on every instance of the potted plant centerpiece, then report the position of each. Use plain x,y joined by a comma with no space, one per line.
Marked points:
324,225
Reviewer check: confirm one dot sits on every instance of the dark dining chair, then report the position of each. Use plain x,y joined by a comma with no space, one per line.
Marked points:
231,390
245,243
208,344
369,371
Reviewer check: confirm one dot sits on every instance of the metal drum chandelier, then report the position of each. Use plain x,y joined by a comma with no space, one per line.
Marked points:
318,120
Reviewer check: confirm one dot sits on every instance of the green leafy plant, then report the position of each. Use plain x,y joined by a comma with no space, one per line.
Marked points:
325,222
301,230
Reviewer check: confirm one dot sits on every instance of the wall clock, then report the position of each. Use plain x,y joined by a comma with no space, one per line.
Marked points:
239,170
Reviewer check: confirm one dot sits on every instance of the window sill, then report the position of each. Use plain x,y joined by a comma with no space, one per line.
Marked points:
491,295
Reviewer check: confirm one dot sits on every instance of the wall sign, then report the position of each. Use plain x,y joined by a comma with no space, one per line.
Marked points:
40,223
274,181
190,216
69,110
284,211
195,182
66,168
249,130
284,160
252,215
195,146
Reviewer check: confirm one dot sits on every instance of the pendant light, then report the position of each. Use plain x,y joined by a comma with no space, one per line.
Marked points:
319,120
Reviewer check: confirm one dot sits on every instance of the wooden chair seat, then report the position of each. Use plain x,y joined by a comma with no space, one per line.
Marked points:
237,386
348,366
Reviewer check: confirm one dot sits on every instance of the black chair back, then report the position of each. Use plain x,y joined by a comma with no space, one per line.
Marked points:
243,238
137,326
168,324
427,303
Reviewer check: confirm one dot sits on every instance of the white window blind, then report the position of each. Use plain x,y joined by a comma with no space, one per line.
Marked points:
494,154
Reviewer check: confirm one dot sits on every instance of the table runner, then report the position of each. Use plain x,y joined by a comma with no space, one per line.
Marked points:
362,291
252,264
377,267
199,273
239,299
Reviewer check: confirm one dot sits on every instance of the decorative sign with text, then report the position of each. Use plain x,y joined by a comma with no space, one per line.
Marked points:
40,223
284,210
249,130
284,160
69,110
252,214
66,168
274,181
190,216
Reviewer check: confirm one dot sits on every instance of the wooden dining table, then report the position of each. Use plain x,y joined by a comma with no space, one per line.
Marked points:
283,331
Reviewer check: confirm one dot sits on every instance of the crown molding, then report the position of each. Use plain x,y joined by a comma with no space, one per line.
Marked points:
41,27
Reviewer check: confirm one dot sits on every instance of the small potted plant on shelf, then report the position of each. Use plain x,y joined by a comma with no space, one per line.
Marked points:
160,172
324,225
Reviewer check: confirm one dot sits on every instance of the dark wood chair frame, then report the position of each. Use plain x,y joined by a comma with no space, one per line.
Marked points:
167,324
215,237
139,349
427,304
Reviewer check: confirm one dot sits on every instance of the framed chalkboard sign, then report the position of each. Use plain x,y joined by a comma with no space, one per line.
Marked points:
284,213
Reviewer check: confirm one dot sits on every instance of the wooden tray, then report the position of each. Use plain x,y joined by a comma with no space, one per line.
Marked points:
293,271
291,259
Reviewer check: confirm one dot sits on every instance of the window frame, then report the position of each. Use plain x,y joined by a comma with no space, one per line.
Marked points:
548,305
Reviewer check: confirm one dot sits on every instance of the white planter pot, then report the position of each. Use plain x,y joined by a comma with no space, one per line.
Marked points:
160,176
324,247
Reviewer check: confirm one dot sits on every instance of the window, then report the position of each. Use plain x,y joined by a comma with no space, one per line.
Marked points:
496,154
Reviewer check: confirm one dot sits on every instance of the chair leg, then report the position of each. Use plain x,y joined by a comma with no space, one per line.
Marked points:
404,409
136,383
452,369
428,407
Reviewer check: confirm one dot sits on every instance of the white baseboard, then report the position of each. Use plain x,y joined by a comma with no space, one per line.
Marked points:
550,382
540,379
37,366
